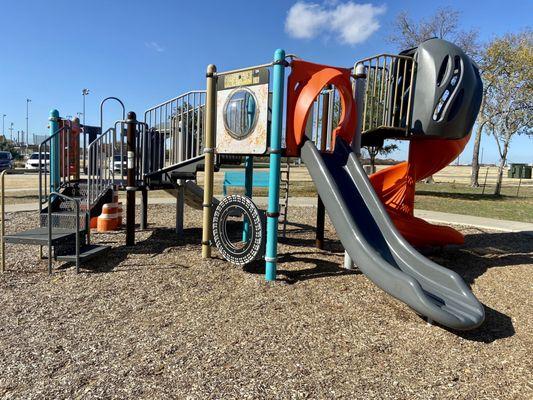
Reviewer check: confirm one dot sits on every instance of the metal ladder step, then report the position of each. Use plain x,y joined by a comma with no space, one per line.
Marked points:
86,252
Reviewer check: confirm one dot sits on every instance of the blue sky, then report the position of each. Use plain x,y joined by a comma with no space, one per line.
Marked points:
147,51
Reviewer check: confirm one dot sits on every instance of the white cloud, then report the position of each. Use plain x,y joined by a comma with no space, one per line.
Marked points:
154,46
350,22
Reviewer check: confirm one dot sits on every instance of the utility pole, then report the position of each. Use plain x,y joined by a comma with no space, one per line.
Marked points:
11,131
3,125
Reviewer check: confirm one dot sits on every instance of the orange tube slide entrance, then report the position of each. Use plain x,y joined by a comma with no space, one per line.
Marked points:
394,185
396,188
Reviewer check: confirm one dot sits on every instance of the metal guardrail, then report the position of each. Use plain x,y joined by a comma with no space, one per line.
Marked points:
388,92
100,171
61,140
109,149
175,131
50,230
323,118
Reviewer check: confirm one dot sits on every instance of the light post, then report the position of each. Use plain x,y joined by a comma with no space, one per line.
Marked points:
11,131
3,125
28,101
84,93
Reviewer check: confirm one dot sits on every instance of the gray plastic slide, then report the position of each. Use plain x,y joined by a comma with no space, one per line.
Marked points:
379,250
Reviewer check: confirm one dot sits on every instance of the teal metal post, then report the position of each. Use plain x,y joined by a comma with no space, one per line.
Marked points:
248,191
275,165
54,152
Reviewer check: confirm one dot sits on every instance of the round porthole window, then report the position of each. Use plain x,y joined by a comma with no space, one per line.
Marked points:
240,113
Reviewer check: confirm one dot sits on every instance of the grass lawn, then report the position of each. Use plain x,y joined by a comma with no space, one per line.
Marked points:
454,198
462,199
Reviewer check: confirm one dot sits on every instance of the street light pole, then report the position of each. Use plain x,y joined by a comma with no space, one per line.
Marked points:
3,125
27,122
11,131
84,93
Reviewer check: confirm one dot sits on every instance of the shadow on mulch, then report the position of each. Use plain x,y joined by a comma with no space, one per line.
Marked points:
322,268
159,241
495,327
295,228
483,251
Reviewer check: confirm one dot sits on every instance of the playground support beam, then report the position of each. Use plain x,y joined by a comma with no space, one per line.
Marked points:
321,211
278,81
359,94
180,205
54,151
248,191
131,127
209,150
144,208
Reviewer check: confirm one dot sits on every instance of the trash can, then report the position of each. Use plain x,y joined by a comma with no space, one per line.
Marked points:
518,171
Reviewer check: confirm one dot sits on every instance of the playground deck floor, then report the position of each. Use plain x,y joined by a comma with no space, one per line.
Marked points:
155,321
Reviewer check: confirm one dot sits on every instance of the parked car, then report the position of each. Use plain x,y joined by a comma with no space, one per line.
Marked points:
117,161
6,160
33,162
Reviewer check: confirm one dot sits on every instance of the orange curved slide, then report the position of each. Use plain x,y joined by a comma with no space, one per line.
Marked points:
396,188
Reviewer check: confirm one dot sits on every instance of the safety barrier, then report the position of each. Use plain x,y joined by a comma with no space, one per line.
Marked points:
388,91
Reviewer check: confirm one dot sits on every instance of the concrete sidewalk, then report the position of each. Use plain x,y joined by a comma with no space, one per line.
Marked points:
436,217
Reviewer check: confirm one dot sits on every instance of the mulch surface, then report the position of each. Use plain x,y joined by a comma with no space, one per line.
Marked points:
157,321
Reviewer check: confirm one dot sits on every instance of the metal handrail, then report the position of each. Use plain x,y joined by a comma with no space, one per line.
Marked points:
62,177
101,174
172,100
77,202
3,214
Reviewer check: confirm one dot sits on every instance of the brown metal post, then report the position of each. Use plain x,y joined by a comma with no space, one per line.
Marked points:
131,127
321,211
210,132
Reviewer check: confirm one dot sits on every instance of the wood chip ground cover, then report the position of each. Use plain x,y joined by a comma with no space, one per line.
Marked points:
155,321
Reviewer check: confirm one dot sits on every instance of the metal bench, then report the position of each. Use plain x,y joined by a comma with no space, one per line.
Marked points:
236,179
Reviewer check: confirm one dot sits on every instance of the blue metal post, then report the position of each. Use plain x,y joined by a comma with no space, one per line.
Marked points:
54,152
275,165
248,191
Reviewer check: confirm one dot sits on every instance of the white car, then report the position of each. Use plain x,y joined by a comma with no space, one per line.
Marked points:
32,163
116,163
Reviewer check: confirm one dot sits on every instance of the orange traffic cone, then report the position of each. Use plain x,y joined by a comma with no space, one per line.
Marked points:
107,221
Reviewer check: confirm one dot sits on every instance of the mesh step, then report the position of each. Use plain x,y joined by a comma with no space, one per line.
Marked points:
40,236
86,252
63,219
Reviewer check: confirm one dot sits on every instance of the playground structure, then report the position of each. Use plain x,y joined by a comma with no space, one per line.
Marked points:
429,95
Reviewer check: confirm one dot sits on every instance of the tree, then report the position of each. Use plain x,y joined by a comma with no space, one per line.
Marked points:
373,152
7,145
443,24
508,109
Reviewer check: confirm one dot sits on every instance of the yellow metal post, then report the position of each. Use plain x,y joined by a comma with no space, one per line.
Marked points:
3,229
209,150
